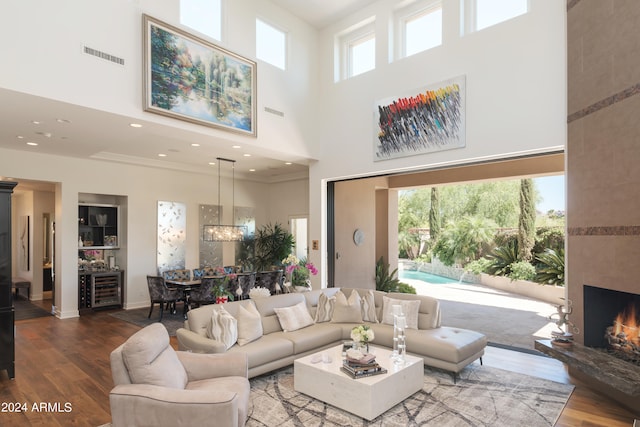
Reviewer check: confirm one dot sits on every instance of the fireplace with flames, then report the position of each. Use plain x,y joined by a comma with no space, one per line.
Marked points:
612,322
623,336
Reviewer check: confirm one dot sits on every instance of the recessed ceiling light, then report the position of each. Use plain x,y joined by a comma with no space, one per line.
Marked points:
247,155
195,144
63,121
162,155
135,125
33,144
236,146
287,163
252,170
20,137
212,163
35,122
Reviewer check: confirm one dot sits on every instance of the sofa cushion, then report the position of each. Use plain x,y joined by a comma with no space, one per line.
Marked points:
410,309
368,307
223,327
312,337
347,310
151,360
269,348
452,345
294,317
249,324
324,311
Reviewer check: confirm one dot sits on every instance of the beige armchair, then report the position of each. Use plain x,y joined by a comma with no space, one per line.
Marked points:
158,386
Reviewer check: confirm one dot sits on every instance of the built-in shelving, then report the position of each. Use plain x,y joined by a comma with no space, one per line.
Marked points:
98,226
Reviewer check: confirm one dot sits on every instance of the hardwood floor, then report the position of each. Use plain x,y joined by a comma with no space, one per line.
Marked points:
64,364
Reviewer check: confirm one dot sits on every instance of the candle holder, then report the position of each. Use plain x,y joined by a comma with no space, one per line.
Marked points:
401,324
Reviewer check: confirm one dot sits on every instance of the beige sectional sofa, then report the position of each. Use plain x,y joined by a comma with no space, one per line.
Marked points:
442,347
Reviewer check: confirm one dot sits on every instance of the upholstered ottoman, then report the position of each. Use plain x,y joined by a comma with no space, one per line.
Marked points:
447,348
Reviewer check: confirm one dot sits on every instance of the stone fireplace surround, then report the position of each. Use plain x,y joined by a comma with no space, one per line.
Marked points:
602,154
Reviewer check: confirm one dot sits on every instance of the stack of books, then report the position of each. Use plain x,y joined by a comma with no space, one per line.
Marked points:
362,369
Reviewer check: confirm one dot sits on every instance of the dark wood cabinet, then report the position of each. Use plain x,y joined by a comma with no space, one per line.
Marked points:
7,316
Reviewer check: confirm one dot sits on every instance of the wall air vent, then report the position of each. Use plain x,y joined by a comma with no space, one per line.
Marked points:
103,55
272,111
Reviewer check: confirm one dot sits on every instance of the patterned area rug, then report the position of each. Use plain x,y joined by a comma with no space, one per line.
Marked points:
483,396
138,317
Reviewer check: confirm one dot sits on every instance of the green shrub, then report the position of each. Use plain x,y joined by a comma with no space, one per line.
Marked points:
405,288
502,258
550,268
522,270
478,266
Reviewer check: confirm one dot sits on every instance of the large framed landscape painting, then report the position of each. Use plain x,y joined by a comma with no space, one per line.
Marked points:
189,78
424,120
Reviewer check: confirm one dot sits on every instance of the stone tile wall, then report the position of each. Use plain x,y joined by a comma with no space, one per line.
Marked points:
603,149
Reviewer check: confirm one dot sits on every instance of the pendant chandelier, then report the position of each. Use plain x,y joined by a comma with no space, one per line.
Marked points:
219,232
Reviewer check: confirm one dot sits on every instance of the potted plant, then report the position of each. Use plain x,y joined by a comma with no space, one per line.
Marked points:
272,244
221,292
298,272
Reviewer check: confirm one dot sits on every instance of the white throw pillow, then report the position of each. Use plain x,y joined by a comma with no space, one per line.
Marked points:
347,311
324,311
294,317
223,327
369,307
249,324
410,309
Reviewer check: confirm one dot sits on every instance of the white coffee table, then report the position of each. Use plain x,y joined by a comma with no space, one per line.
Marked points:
366,397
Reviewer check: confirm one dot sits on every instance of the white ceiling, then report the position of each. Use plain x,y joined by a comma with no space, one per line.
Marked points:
321,13
69,130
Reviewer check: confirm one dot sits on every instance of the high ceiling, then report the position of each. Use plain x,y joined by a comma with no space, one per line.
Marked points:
321,13
69,130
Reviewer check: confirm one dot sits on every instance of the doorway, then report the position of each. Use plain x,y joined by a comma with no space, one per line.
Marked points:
299,228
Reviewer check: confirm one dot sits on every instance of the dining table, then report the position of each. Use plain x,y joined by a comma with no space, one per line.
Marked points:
185,286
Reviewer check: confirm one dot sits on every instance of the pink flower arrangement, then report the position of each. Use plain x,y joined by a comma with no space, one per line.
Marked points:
299,270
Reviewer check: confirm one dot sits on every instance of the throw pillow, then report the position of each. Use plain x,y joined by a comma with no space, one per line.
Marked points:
410,309
369,307
249,324
347,311
294,317
325,308
223,327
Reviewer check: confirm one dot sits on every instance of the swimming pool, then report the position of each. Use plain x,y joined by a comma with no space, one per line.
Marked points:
425,277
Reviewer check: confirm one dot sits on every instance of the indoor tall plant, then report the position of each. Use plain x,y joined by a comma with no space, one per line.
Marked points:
272,244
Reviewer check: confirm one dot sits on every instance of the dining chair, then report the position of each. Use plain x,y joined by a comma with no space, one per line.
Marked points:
204,294
246,282
161,294
271,280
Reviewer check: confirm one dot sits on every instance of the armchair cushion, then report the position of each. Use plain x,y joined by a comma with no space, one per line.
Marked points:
223,327
151,360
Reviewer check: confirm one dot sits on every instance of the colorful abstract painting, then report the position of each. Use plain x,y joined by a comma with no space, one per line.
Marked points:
426,120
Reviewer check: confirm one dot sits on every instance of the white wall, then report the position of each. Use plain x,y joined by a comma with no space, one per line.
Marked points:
46,49
143,187
515,91
515,81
